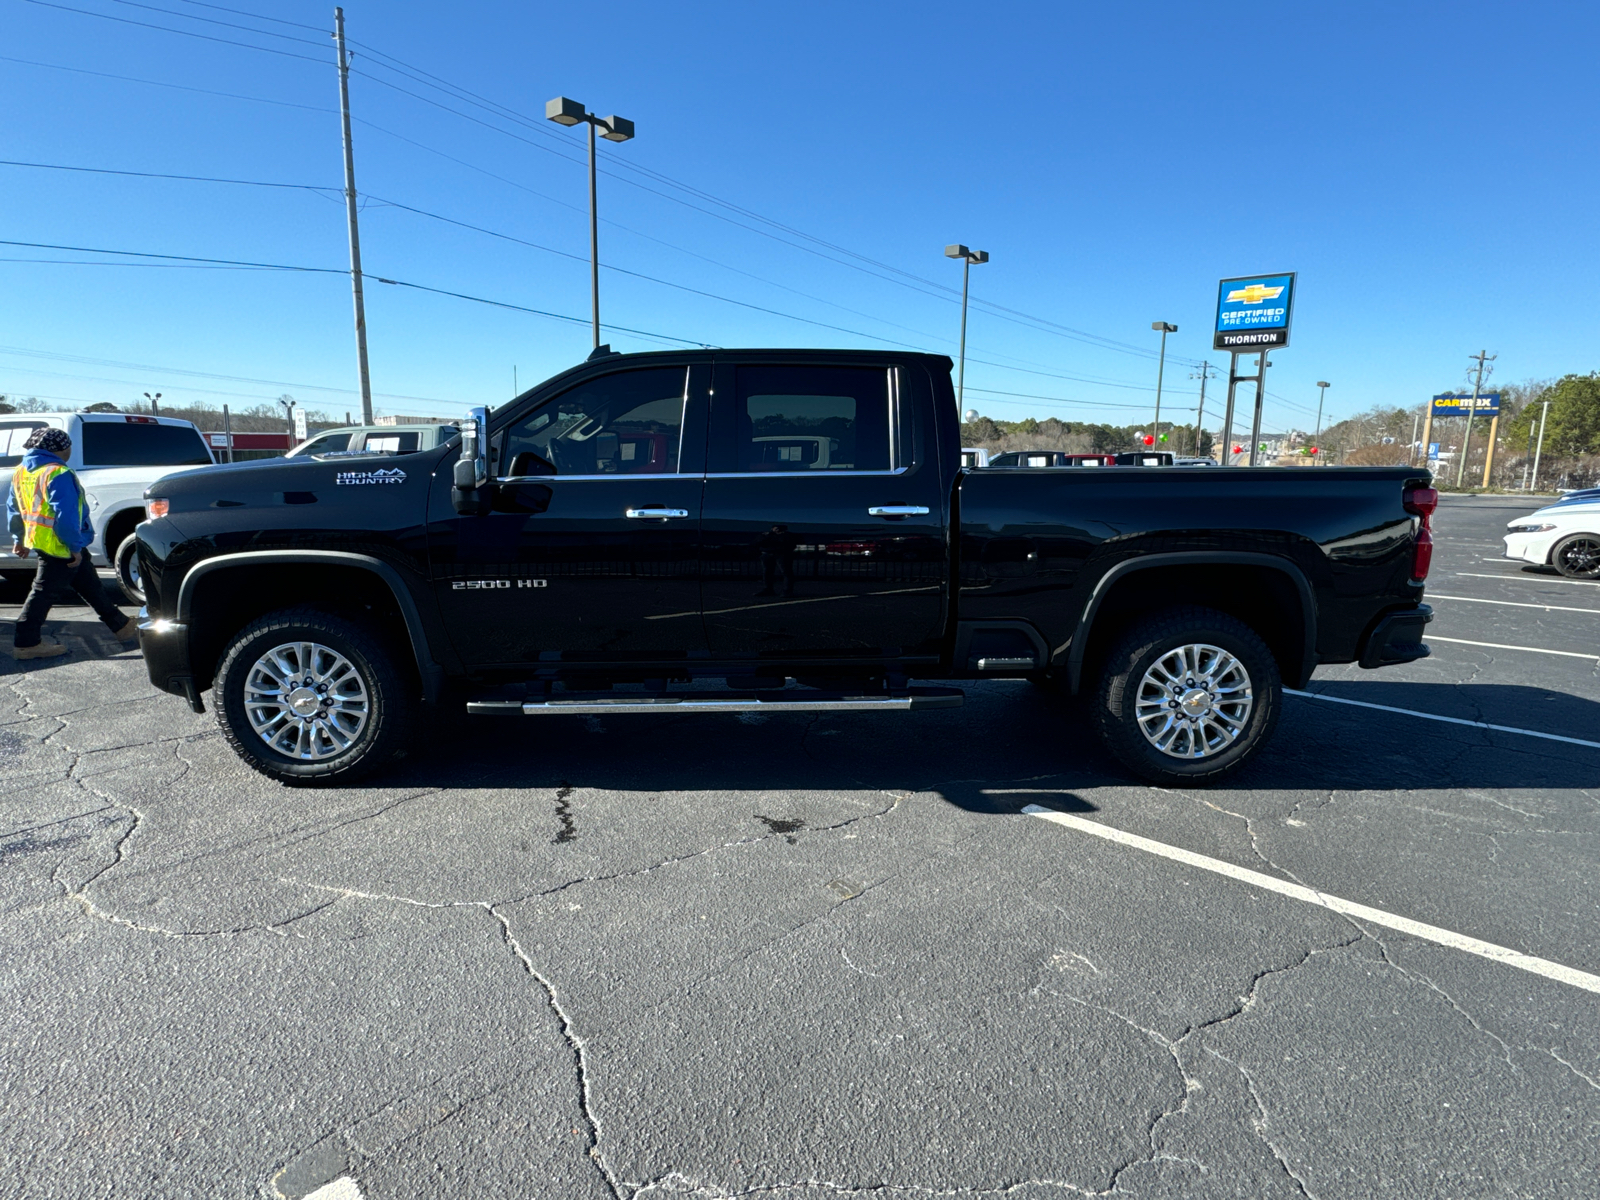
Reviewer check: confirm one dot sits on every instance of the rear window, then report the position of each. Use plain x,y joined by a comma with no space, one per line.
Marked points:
124,444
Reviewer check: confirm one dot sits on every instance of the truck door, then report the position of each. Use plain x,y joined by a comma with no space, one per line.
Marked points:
824,515
592,553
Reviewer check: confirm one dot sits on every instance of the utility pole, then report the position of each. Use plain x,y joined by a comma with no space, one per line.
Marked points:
1411,451
1540,448
1202,375
350,211
1483,357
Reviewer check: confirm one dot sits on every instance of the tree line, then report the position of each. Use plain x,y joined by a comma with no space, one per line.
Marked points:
1079,437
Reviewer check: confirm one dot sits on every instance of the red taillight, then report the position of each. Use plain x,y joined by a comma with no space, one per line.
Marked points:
1422,502
1422,557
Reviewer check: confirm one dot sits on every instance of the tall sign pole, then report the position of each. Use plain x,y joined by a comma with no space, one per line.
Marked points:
1227,419
1540,448
350,211
1427,431
1253,315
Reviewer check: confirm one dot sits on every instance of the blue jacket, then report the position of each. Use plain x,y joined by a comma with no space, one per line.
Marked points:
63,493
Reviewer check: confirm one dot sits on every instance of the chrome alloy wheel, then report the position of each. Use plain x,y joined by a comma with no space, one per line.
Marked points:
306,701
1194,701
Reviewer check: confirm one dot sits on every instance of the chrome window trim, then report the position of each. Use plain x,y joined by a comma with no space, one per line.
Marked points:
893,388
630,478
799,474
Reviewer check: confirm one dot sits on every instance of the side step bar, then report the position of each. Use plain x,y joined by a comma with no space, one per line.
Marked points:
786,700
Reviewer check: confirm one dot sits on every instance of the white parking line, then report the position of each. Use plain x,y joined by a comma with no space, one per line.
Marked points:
1411,712
1534,578
1431,933
1514,603
342,1188
1434,637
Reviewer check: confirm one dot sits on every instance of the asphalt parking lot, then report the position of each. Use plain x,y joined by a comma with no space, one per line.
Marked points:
801,957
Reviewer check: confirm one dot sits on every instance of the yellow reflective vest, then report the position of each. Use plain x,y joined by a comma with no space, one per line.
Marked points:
38,514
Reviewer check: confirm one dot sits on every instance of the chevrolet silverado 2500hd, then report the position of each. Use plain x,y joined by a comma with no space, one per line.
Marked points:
721,531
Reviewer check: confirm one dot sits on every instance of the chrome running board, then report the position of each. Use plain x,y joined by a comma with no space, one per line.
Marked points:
786,700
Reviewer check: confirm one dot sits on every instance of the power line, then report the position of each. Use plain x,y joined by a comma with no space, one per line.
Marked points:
180,87
308,187
168,29
228,262
239,12
288,37
1062,400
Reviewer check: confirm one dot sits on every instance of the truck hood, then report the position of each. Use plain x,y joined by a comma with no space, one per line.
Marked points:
96,478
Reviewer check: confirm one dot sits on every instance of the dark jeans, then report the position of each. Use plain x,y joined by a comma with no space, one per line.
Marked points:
55,573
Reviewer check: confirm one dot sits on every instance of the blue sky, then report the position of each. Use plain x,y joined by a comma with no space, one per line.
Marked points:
1430,172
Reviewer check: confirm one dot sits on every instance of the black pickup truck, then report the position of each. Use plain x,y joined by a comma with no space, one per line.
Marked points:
723,531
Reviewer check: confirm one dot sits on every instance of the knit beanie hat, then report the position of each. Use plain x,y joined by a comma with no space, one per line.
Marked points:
51,441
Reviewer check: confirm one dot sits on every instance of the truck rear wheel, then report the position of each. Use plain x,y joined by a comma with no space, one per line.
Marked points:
306,698
1187,697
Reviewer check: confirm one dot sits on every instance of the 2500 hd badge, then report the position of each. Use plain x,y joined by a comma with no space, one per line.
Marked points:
475,585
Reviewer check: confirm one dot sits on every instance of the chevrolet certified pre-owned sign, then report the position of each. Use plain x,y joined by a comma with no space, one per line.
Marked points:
1451,405
1254,312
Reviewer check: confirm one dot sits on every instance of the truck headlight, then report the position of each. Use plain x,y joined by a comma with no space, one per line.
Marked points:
1529,528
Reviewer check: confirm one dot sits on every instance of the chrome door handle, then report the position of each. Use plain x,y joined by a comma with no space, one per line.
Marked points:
655,514
898,510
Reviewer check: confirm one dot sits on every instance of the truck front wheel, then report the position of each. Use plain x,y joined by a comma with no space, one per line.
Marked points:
306,697
1187,696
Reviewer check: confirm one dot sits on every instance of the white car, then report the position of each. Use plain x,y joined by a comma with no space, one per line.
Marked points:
116,456
1565,536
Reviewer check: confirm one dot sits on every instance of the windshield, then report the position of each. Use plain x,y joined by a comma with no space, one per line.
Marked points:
127,444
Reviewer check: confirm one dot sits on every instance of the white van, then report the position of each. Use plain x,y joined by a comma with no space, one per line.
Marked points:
116,456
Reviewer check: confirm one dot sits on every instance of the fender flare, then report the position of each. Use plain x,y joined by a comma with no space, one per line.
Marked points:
1077,648
431,672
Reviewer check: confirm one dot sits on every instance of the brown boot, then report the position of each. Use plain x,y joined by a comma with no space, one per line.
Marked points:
45,649
129,632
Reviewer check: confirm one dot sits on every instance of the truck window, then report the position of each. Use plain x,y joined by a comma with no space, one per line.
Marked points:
627,423
138,444
393,443
12,435
812,419
328,443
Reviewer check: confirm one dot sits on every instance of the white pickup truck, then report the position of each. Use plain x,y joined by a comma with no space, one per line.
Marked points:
116,456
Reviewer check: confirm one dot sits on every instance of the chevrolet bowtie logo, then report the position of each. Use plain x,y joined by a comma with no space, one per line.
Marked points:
1254,294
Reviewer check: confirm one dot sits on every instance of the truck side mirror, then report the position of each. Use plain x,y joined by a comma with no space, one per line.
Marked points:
471,491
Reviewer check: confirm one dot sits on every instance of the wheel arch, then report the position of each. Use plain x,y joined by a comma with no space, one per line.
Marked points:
117,527
251,583
1274,598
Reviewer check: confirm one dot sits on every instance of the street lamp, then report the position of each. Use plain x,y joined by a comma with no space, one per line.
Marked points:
1322,393
614,129
1161,369
967,257
155,403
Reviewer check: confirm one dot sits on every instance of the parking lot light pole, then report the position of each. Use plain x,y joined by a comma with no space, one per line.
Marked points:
614,129
967,257
1161,369
1322,393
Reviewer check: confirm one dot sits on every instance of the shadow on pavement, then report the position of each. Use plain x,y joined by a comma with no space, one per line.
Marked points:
1004,751
1515,705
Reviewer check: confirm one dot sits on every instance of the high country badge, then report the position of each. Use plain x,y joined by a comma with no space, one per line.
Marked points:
362,478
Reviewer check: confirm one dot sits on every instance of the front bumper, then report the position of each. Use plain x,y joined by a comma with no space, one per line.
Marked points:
165,646
1397,638
1530,547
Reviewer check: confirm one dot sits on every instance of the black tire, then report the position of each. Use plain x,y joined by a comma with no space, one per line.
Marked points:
389,695
1124,677
126,566
1578,556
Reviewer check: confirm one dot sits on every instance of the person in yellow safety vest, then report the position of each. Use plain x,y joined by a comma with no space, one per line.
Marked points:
49,517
